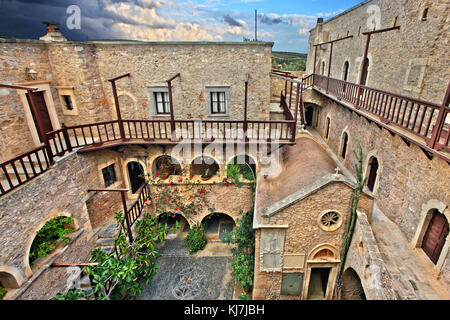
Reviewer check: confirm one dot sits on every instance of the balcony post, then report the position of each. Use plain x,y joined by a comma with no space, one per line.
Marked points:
172,118
245,111
127,217
437,130
66,137
329,65
116,103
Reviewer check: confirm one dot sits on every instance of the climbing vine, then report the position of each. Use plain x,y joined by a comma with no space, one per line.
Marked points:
361,181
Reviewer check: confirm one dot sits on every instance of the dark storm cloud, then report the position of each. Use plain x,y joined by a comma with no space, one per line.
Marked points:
232,22
23,18
271,21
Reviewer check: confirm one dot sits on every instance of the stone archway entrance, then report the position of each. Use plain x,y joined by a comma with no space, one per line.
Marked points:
135,174
352,288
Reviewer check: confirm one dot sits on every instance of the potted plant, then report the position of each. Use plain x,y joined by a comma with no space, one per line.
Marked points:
207,174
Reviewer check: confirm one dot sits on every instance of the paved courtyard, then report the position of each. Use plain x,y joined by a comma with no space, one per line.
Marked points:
206,275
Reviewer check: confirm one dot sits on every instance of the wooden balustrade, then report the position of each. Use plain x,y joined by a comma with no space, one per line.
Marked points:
25,167
413,115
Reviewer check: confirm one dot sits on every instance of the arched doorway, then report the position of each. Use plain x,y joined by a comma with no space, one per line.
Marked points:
204,167
216,225
309,115
345,72
171,218
246,166
372,173
435,236
352,288
166,166
136,175
365,72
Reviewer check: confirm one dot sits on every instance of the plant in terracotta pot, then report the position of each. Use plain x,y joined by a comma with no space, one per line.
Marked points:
207,174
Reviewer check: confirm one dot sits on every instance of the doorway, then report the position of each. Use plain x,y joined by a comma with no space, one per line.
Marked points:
435,236
136,175
42,114
373,171
309,115
318,283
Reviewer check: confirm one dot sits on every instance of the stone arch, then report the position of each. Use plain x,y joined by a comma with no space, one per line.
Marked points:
318,252
55,213
244,159
346,70
352,288
201,163
425,218
170,218
11,277
163,161
127,179
216,223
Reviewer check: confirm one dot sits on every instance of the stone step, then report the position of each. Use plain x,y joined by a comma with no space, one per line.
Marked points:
85,282
110,231
107,249
106,242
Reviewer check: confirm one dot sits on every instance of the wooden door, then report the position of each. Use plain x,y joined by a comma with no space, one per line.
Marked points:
435,236
42,114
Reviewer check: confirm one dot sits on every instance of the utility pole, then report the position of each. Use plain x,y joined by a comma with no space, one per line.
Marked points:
256,25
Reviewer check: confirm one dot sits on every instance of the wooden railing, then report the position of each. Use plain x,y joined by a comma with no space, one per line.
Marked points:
23,168
413,115
64,140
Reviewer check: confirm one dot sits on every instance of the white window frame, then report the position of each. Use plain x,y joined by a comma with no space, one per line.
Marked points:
217,89
153,90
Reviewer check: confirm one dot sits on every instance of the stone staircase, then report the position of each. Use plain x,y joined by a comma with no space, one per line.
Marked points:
106,237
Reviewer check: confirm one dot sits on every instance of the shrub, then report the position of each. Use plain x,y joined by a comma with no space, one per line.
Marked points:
47,238
196,239
244,236
3,292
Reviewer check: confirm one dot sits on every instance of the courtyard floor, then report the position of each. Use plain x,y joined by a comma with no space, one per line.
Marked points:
206,275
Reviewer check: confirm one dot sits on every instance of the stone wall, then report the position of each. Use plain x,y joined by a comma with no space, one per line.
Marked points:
403,185
83,68
412,61
304,236
60,191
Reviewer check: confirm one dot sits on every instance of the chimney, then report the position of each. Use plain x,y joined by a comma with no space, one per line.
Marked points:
319,20
53,32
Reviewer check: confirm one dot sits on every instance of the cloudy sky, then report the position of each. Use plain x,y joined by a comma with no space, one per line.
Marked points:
285,22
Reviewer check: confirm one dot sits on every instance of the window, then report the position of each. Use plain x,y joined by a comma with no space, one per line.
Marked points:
346,67
328,128
329,220
218,103
162,102
68,102
425,14
373,173
159,100
109,175
344,145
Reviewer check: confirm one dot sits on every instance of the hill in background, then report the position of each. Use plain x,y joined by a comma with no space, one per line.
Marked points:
289,61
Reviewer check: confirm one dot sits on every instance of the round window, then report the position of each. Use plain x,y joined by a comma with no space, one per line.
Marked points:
330,220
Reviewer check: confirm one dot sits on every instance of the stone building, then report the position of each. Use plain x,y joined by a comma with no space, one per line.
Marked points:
79,119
